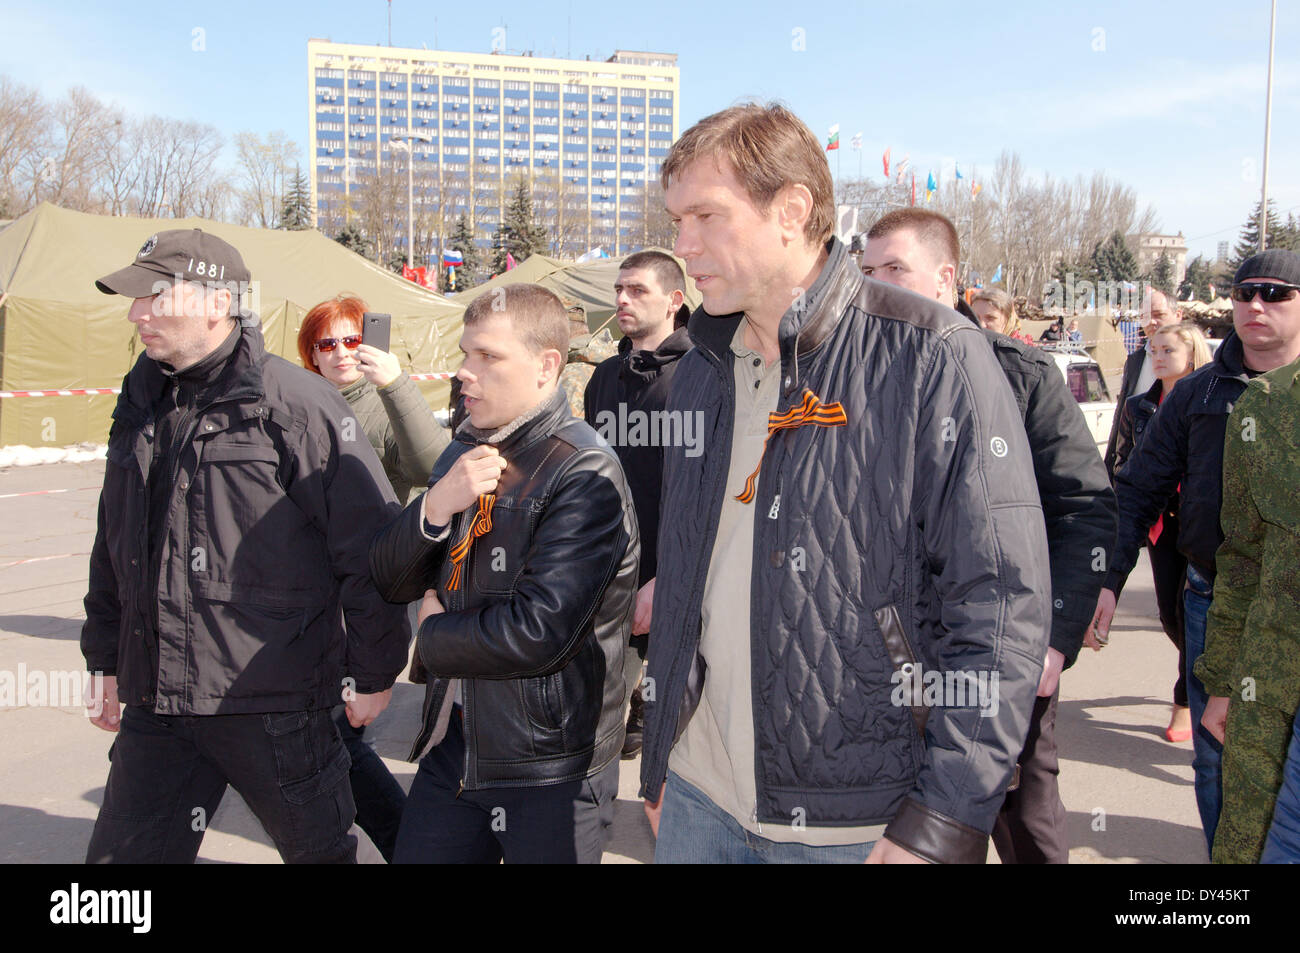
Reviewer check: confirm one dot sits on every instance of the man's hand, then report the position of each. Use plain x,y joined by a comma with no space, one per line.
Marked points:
887,852
428,606
102,705
654,808
1053,665
1099,632
474,473
645,599
1215,718
363,709
378,367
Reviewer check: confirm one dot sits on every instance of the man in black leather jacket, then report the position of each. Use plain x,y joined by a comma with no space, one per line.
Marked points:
524,549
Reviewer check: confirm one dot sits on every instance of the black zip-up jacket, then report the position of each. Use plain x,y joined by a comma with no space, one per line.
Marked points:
912,536
637,383
1127,388
538,623
262,554
1078,504
1183,445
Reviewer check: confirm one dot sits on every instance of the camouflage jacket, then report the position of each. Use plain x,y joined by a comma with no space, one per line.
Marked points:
1253,638
585,353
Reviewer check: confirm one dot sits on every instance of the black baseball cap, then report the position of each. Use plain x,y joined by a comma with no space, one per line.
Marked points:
180,254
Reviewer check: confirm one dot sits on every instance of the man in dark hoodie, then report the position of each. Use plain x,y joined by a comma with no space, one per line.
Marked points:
625,401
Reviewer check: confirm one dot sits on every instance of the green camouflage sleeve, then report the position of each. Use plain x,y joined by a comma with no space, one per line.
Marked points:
1237,563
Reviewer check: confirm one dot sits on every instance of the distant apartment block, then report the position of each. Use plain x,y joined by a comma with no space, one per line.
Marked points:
589,136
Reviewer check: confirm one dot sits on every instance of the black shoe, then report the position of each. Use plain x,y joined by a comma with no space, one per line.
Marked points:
635,716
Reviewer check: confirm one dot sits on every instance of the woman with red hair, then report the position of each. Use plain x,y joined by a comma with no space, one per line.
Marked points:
400,425
389,407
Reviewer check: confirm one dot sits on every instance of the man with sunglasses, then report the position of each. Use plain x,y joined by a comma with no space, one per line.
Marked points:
1183,450
230,604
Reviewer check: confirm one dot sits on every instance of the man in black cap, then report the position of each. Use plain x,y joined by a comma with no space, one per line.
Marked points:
1183,447
238,503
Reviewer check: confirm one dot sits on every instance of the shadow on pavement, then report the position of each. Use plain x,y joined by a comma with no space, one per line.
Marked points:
1144,839
32,836
42,626
1084,736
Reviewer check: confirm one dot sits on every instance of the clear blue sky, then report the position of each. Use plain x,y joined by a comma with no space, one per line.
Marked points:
1173,105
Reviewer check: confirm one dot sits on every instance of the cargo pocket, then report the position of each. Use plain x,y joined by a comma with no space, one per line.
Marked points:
312,771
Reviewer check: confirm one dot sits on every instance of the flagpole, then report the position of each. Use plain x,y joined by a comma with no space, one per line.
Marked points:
1268,122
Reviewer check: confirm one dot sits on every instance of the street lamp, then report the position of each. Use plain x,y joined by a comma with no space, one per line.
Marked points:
403,143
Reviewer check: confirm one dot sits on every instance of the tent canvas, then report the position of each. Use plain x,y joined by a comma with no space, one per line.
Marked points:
59,332
591,284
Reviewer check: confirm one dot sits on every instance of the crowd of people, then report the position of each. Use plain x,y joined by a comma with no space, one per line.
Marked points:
819,553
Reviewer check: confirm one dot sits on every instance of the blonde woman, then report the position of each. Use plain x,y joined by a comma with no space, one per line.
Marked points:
1176,351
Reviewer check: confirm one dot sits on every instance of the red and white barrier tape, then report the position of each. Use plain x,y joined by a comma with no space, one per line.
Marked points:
92,391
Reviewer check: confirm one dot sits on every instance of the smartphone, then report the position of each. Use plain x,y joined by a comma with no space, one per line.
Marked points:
376,329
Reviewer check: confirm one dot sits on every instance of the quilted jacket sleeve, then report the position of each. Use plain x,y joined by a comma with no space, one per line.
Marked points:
985,549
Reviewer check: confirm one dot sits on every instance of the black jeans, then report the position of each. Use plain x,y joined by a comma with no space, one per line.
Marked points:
1169,572
169,774
1030,828
376,793
553,824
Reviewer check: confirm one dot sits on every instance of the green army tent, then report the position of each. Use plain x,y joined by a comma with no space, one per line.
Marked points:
590,283
58,332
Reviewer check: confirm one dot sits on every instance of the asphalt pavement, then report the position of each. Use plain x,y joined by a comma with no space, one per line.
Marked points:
1127,791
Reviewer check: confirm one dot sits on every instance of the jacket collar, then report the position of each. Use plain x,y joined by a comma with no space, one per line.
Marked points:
1230,359
526,429
806,324
355,391
240,378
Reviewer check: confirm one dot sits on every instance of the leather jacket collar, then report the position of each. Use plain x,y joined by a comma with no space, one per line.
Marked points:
525,430
806,324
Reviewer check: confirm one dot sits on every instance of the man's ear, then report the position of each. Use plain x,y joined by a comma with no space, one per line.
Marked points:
794,208
552,363
675,302
947,282
219,305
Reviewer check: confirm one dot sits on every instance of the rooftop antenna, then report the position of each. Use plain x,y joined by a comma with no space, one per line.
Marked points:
390,22
568,47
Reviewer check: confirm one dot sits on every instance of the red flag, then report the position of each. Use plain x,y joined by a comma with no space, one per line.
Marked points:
913,188
408,273
885,161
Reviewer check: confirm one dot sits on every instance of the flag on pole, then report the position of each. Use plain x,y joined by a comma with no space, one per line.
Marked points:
885,161
930,184
913,188
975,189
959,175
902,168
834,141
856,141
997,276
510,261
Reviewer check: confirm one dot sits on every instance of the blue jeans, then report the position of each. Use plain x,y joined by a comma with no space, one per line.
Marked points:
1207,752
694,830
1283,844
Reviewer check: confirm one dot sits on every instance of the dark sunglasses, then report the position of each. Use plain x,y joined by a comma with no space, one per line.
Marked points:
351,342
1271,292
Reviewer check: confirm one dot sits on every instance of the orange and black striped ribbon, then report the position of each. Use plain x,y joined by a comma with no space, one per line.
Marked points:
812,412
479,526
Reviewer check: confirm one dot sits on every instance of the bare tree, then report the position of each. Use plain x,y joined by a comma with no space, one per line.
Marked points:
24,129
177,160
265,165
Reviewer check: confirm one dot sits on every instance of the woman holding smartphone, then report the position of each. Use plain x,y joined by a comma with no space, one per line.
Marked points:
400,425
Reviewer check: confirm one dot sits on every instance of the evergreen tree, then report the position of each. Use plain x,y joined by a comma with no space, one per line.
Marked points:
1113,261
350,237
462,240
295,212
1162,274
1248,244
1196,282
519,233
